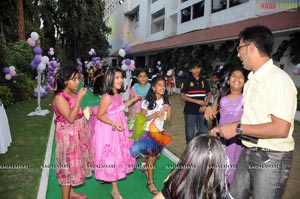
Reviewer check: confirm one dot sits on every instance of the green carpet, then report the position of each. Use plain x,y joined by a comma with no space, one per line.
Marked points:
133,187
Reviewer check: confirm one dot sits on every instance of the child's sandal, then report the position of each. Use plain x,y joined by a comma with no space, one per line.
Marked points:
154,191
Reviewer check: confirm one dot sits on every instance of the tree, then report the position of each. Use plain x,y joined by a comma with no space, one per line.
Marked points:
81,28
21,26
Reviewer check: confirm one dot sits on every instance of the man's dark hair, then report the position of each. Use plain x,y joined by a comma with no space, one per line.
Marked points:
261,36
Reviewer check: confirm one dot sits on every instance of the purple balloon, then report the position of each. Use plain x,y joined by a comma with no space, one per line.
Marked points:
37,60
37,51
127,62
127,50
5,70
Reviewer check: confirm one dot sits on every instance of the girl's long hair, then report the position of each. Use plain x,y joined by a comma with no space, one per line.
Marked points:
151,97
64,74
109,78
200,172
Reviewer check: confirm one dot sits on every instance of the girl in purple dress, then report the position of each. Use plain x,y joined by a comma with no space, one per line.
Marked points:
111,135
231,110
73,140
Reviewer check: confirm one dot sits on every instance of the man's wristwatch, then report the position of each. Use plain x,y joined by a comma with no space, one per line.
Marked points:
239,130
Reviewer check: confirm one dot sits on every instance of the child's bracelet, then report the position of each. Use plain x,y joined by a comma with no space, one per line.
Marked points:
113,123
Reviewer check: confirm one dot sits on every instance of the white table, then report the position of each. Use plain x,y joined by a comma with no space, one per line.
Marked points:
5,137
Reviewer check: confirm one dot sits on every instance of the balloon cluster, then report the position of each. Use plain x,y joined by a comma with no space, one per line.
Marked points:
123,52
51,52
39,61
128,64
92,52
53,66
96,60
43,91
34,36
296,70
9,72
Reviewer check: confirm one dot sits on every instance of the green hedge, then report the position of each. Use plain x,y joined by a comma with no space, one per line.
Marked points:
6,96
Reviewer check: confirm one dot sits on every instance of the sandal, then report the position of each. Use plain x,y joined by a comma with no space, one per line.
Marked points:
154,191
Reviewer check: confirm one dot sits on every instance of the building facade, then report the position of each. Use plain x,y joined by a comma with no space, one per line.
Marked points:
153,28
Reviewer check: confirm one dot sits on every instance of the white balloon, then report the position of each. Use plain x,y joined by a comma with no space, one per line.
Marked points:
8,77
132,62
41,66
298,66
34,35
12,68
124,67
92,50
51,52
45,59
122,52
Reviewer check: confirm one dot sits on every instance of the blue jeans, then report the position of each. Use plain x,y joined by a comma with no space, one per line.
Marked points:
192,121
259,179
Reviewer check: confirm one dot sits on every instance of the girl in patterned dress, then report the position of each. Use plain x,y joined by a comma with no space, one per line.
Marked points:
157,109
111,135
73,141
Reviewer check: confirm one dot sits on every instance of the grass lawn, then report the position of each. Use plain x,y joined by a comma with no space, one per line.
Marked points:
29,142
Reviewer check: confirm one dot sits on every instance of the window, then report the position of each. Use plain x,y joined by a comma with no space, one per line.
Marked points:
186,14
218,5
236,2
158,21
198,10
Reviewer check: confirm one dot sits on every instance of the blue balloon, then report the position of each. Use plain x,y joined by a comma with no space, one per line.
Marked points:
127,50
37,60
37,51
5,70
33,65
127,62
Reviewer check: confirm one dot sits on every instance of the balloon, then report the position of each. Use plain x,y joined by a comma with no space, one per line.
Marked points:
124,67
297,66
12,68
12,73
158,62
128,50
122,52
8,77
37,51
34,35
132,62
127,62
131,67
41,67
45,59
33,64
51,49
5,70
123,61
296,71
37,60
31,42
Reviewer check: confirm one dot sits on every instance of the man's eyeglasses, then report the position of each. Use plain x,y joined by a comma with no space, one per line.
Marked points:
239,47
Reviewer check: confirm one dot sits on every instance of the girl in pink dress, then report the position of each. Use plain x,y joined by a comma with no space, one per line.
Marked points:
111,135
73,141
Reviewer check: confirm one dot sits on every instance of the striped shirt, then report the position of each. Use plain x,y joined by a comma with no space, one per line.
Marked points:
196,89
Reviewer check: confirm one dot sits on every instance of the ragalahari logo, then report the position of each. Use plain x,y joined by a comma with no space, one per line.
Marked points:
279,5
